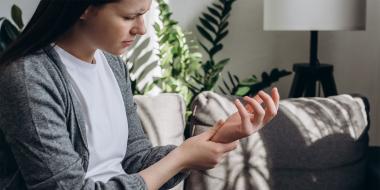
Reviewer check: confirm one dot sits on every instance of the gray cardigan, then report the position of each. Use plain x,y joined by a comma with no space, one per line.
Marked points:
42,133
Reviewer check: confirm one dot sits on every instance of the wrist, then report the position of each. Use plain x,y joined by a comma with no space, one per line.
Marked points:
179,157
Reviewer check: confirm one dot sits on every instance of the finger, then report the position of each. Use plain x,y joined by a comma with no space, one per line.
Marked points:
244,115
258,110
270,110
276,97
258,99
249,107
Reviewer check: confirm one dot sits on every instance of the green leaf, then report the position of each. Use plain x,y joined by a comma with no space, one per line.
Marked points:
226,17
216,49
156,27
3,35
226,11
220,7
165,38
17,16
207,25
249,81
205,34
220,37
213,81
223,26
207,66
224,61
214,12
10,30
211,18
242,91
221,64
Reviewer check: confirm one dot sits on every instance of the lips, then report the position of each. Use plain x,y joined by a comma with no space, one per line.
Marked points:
127,43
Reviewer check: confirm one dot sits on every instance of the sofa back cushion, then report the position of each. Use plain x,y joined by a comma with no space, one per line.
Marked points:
313,143
162,117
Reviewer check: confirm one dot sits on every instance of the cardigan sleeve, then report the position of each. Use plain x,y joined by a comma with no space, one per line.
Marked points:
140,153
32,120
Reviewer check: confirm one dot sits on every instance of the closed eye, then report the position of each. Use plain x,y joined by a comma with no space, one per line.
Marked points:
130,18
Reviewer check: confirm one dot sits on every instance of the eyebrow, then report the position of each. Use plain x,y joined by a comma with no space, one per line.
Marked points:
140,12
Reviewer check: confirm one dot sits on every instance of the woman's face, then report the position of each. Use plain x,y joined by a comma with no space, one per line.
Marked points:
114,26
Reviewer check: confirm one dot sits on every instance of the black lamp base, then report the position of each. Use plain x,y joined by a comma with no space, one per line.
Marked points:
306,77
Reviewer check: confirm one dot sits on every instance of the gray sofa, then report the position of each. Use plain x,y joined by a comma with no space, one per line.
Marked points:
313,143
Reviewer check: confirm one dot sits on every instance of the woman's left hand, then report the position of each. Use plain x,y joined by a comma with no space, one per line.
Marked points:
250,118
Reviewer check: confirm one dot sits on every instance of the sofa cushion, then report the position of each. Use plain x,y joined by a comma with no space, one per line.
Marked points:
162,117
313,143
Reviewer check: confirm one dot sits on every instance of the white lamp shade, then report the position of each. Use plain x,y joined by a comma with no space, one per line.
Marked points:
314,15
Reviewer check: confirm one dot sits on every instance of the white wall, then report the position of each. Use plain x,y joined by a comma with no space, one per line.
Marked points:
355,55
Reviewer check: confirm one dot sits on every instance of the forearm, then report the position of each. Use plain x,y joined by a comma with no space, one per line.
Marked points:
159,173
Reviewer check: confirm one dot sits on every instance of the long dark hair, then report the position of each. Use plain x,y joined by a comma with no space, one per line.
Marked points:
51,19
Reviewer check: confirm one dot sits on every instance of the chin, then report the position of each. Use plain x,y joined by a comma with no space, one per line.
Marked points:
116,52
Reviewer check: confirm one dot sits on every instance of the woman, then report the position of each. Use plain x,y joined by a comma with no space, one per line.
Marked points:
67,116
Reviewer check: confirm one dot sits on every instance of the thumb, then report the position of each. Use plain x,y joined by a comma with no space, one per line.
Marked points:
207,135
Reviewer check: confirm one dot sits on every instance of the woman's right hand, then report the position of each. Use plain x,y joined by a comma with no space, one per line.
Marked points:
200,153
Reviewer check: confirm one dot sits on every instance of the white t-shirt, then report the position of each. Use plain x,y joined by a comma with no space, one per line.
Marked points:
106,121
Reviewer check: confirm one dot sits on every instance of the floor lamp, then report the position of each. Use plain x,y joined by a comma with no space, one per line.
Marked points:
314,16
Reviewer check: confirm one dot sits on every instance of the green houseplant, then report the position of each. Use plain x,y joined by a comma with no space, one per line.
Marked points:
180,57
9,31
179,61
184,72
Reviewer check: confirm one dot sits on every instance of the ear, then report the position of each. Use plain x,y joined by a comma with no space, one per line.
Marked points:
85,14
90,11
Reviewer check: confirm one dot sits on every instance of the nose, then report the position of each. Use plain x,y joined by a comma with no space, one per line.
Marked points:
139,26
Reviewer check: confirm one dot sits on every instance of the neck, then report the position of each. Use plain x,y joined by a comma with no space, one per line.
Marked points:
77,46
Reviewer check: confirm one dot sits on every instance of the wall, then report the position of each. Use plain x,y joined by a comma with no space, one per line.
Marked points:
354,54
